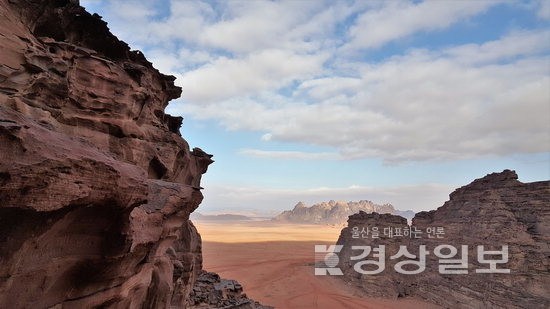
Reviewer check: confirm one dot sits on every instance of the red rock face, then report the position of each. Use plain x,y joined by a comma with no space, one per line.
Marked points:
96,184
492,211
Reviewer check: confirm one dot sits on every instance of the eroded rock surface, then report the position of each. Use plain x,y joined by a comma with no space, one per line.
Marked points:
492,211
96,183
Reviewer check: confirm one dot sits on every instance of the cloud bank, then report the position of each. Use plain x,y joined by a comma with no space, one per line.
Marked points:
306,72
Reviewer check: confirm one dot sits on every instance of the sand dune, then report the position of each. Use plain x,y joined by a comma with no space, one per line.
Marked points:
273,262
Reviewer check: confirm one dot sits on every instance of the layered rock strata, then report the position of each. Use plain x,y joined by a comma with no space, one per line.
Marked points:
494,211
96,183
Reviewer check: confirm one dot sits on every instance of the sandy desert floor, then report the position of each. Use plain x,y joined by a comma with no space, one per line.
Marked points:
273,262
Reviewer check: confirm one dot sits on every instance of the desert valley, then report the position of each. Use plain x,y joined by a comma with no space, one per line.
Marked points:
275,264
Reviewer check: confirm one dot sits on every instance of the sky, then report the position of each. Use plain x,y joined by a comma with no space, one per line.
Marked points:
390,101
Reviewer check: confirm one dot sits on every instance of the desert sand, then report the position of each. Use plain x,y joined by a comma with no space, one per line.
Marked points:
274,264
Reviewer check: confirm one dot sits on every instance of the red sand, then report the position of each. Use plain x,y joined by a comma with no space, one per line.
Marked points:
279,273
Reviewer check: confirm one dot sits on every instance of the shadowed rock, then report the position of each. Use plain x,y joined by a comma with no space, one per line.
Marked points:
96,183
211,291
492,211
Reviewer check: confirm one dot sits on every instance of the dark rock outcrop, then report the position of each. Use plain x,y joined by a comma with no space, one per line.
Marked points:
494,211
211,291
332,212
96,183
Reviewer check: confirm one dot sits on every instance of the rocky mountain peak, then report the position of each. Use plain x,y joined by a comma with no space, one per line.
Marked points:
331,212
299,205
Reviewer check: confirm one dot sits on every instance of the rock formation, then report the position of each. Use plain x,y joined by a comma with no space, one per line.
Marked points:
211,291
494,211
331,212
96,183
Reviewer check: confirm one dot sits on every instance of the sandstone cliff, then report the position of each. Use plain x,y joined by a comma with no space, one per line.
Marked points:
96,183
493,211
332,212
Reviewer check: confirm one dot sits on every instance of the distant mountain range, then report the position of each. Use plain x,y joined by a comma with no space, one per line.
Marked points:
221,217
335,212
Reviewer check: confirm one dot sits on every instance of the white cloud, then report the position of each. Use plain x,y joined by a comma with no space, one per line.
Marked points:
289,155
462,102
398,19
544,9
182,60
519,43
252,25
267,69
132,10
415,197
324,88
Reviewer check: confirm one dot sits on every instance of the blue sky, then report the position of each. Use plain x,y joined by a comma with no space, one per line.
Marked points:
390,101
